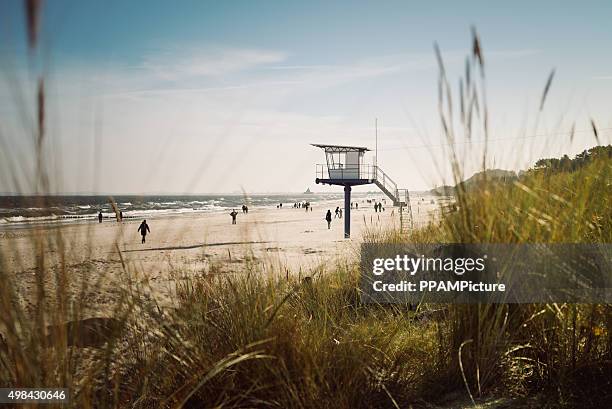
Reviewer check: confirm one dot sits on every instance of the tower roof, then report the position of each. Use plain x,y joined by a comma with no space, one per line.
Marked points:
341,148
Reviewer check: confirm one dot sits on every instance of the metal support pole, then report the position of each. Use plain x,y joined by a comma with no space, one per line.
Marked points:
347,211
376,152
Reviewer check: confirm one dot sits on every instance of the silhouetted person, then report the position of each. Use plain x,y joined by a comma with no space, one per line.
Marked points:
356,206
328,218
234,214
120,216
100,217
143,229
336,212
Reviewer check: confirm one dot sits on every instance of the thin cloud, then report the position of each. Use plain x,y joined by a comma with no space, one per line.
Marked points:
298,67
214,63
513,53
199,90
327,75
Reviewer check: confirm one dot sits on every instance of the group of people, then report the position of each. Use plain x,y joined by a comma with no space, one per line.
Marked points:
234,213
378,207
119,216
302,205
144,228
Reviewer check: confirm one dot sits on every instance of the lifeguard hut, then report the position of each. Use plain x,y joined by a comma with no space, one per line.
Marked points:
346,167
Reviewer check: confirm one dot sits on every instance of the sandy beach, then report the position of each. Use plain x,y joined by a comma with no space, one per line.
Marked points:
284,241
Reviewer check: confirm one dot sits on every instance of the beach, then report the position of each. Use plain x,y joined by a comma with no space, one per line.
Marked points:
267,240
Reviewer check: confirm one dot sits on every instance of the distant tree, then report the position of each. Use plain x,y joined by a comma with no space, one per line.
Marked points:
565,164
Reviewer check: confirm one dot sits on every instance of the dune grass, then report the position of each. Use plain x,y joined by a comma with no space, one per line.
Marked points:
529,348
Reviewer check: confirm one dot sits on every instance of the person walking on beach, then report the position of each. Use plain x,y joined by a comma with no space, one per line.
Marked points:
143,229
234,214
100,217
336,212
328,218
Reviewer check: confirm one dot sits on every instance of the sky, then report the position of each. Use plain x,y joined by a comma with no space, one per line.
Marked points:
218,97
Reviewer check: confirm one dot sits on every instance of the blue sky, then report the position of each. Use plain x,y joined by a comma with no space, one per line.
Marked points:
221,96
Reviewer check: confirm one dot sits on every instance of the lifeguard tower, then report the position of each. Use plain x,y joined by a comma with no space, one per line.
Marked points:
345,167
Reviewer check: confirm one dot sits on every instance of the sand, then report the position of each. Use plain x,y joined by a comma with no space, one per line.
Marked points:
283,241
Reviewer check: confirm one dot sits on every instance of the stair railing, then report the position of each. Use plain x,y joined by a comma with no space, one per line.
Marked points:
386,181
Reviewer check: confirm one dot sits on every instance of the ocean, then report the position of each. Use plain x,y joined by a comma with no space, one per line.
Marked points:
18,211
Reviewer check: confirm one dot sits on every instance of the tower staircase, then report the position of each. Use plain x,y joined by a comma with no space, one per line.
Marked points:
400,197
